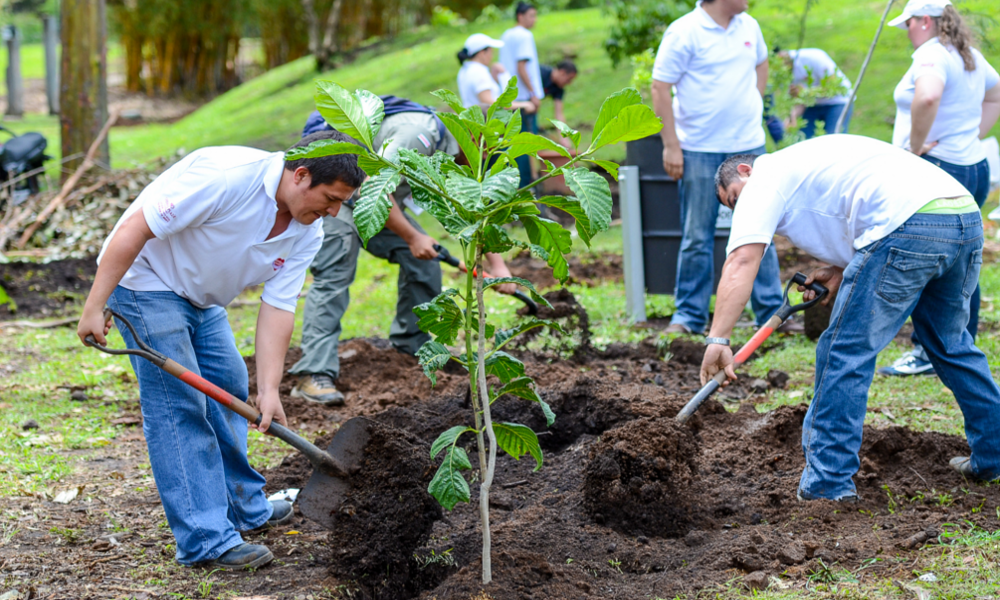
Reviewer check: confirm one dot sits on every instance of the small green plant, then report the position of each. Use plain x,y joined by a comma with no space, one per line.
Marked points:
943,499
442,16
615,564
445,559
473,202
893,506
68,534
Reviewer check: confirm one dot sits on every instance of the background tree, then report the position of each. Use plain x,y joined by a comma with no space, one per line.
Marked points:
83,79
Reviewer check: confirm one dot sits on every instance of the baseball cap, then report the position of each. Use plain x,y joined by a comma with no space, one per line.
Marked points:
920,8
480,41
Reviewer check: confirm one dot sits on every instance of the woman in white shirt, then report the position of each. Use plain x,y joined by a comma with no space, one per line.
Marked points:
477,84
947,101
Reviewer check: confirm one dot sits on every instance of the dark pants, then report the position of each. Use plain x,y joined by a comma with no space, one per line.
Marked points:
829,114
529,123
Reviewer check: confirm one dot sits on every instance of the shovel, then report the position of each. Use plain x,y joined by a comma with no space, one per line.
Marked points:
758,338
446,257
325,491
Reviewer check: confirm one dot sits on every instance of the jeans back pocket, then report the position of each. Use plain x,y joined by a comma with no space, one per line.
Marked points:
972,275
906,273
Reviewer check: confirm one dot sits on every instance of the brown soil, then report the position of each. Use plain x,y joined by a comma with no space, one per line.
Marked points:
606,267
45,290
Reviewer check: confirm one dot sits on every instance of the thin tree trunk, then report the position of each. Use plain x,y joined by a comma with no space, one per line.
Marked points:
329,45
484,489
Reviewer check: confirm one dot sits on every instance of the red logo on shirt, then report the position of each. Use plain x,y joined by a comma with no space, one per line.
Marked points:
166,209
278,263
747,44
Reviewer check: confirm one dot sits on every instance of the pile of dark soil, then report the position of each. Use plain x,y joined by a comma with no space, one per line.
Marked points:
608,267
45,290
628,505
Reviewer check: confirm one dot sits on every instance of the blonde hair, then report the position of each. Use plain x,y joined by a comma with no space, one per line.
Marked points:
952,31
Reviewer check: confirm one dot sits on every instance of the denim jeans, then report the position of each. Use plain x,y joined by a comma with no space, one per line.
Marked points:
928,267
828,113
696,263
529,123
197,447
976,179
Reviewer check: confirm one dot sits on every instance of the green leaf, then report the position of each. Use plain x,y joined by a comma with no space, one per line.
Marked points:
567,131
464,138
513,125
518,440
607,165
575,209
612,106
373,207
450,98
448,438
530,143
505,335
448,486
323,148
467,191
441,317
373,108
632,123
440,209
593,194
504,366
505,99
524,387
500,164
429,167
500,187
554,241
495,239
492,281
433,356
343,111
370,164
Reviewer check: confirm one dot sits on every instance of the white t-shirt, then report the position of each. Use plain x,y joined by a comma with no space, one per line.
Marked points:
211,213
835,194
956,126
518,45
818,64
717,106
475,77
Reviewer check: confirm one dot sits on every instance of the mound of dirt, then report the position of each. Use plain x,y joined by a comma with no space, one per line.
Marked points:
45,289
606,268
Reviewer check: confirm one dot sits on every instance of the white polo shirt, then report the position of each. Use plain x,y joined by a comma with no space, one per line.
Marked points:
518,45
717,106
835,194
956,126
815,63
211,214
475,77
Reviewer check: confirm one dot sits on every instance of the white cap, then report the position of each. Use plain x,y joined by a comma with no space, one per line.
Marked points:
920,8
480,41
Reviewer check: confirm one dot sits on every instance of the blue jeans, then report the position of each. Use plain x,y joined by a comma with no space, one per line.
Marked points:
197,447
928,267
976,179
828,113
529,123
695,262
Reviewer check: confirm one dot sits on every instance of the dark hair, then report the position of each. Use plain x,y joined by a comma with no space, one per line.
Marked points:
328,169
728,173
523,7
567,65
463,55
953,31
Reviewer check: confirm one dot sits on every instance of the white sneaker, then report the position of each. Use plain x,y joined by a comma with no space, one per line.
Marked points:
911,363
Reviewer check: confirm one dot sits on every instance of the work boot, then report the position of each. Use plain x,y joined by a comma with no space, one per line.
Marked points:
318,388
912,363
677,328
963,464
281,514
244,556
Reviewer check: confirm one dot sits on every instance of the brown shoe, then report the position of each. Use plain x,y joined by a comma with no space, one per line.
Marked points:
677,328
319,389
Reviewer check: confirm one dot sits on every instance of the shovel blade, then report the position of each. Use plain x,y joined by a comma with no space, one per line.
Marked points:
324,495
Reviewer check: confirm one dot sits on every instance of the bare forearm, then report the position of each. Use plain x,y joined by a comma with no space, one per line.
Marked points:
558,109
762,74
921,120
734,289
398,224
274,332
118,258
663,105
523,77
991,111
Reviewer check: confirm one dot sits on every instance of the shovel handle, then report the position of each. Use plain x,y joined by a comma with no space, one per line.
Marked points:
446,257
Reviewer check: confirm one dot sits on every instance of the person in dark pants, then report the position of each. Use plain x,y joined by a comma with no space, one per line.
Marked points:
519,56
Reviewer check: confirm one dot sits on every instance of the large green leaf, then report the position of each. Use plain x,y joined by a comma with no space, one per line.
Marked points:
524,387
370,164
505,335
441,317
505,99
632,123
575,209
495,239
513,125
607,165
450,98
321,148
464,138
448,486
500,187
593,194
612,106
518,440
373,108
373,207
530,143
567,131
433,356
553,239
343,111
429,167
467,191
441,209
448,438
504,366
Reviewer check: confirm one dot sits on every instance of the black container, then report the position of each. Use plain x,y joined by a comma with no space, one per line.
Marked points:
661,218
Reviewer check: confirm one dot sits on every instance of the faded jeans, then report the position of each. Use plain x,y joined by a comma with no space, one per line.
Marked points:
197,447
695,262
929,267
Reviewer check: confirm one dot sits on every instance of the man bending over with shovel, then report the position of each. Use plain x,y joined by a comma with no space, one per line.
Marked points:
901,237
218,221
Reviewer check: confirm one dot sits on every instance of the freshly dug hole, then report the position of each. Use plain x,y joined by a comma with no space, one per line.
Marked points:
640,476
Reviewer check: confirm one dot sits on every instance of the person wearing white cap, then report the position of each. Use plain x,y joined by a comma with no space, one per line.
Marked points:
476,84
947,101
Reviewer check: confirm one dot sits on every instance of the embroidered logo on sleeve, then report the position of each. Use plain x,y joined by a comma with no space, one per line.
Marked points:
278,263
747,44
165,208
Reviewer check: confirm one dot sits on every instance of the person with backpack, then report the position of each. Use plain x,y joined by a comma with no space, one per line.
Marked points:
402,242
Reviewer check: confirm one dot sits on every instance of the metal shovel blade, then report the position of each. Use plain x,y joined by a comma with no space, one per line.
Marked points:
324,495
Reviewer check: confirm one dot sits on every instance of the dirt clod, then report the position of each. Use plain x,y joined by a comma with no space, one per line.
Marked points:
758,580
777,379
30,424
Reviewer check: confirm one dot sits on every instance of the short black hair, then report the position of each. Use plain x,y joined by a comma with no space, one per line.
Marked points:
328,169
567,65
728,173
523,7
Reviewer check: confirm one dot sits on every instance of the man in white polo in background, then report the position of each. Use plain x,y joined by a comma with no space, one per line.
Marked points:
715,60
519,56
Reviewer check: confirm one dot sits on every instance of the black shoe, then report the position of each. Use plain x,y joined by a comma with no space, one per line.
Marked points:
244,556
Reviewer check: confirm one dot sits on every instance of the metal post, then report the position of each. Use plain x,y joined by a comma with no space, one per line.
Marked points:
15,87
632,259
50,26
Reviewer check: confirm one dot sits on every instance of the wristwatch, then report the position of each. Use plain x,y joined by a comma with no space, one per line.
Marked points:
717,340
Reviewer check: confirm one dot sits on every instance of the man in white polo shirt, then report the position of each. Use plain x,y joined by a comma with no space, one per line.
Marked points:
715,60
901,237
218,221
519,56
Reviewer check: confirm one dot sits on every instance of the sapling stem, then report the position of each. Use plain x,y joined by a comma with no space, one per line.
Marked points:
484,488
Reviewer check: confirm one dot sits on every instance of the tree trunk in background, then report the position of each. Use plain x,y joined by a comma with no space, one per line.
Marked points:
51,38
83,91
15,85
330,45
